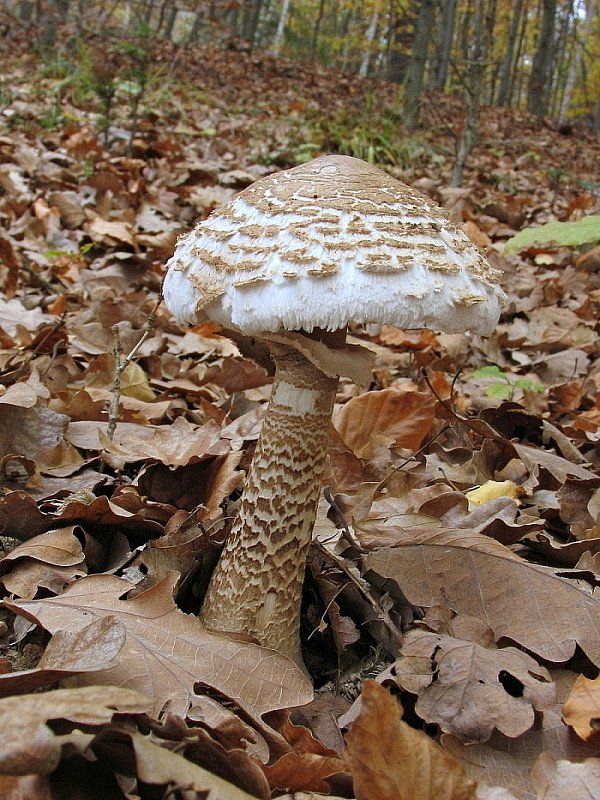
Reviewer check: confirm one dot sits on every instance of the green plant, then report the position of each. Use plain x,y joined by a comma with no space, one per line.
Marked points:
564,234
504,386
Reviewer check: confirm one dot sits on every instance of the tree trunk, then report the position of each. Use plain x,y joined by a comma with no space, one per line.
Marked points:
370,38
279,38
443,45
540,80
474,90
506,70
576,62
314,44
418,60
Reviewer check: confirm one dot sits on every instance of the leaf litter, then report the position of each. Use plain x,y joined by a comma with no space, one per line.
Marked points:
450,613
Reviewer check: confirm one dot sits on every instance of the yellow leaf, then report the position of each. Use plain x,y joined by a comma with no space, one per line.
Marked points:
134,383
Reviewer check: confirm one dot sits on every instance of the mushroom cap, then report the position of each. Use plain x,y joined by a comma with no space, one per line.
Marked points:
328,242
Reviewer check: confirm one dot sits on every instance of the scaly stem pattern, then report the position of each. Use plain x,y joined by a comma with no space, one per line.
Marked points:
257,585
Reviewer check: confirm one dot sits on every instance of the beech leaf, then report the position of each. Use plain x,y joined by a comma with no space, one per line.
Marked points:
582,709
389,760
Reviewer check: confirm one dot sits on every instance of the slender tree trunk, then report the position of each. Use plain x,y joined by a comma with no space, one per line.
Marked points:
280,32
370,38
314,44
418,60
576,62
474,88
540,80
506,70
443,45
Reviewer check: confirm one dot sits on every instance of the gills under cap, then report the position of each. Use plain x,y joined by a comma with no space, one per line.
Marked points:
329,242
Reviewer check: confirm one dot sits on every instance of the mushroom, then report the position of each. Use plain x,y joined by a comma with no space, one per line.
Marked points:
290,261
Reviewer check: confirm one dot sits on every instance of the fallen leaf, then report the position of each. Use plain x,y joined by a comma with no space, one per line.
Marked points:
531,604
469,690
557,780
168,652
389,760
93,648
28,746
403,417
582,709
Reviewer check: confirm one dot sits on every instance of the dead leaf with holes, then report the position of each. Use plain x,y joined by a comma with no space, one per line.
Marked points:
468,689
168,652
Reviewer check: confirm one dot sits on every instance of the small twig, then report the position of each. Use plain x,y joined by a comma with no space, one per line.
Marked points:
406,461
464,420
121,365
345,528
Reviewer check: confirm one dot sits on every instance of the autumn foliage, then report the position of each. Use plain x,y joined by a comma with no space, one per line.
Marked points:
450,615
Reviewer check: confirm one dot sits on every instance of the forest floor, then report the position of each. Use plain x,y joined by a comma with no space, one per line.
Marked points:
468,473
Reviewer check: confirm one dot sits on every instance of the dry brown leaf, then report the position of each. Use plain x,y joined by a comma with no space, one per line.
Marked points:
178,444
28,746
158,766
582,709
303,772
167,652
22,519
37,433
389,760
528,603
111,232
27,393
404,418
462,686
508,762
51,559
559,780
93,648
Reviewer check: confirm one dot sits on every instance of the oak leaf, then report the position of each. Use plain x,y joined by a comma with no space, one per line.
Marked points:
463,687
531,604
167,652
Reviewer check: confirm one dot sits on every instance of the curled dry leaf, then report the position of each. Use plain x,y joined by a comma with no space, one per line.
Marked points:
50,560
582,709
168,652
37,433
175,445
21,518
93,648
158,766
464,688
389,760
528,603
404,418
303,771
28,746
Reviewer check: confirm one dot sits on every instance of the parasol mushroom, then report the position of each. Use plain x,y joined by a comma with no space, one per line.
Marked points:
291,260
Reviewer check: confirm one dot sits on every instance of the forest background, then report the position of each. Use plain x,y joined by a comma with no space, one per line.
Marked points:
456,553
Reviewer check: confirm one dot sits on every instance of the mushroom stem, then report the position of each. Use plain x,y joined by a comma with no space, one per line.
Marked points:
256,587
